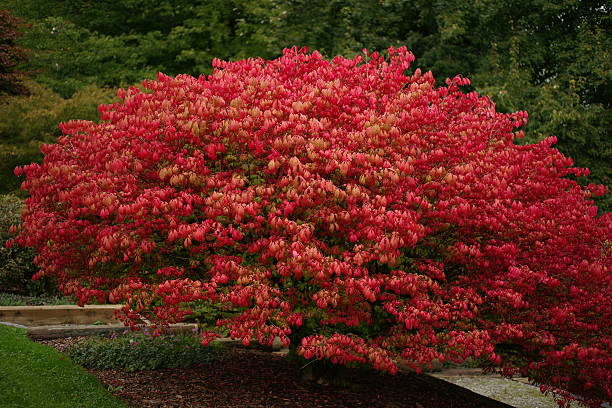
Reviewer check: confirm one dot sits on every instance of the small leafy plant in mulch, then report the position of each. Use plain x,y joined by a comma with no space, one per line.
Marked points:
141,351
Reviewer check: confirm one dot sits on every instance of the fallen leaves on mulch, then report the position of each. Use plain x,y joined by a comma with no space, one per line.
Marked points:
256,379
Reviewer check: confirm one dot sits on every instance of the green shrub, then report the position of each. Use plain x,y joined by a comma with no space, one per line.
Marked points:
16,267
134,352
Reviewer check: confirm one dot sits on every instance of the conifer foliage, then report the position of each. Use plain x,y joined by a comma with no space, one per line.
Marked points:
362,214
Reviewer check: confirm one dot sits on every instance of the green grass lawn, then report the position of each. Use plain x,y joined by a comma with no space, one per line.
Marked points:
33,375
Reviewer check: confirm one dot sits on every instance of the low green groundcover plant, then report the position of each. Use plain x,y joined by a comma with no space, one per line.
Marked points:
33,375
13,299
134,352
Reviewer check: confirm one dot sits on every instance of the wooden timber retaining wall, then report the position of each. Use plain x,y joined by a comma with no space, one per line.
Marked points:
57,315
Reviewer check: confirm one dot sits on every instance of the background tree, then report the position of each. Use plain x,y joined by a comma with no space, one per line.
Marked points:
75,44
11,54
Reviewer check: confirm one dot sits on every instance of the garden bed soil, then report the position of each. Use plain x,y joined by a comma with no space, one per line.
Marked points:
254,379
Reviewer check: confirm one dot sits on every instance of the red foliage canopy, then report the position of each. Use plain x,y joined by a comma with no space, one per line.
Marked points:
361,214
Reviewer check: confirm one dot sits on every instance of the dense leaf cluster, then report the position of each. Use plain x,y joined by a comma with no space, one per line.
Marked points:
362,214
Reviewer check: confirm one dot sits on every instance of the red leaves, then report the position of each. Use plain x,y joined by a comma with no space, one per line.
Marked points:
343,197
342,349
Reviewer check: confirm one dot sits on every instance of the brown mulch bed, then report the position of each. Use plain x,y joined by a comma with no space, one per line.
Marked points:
255,379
